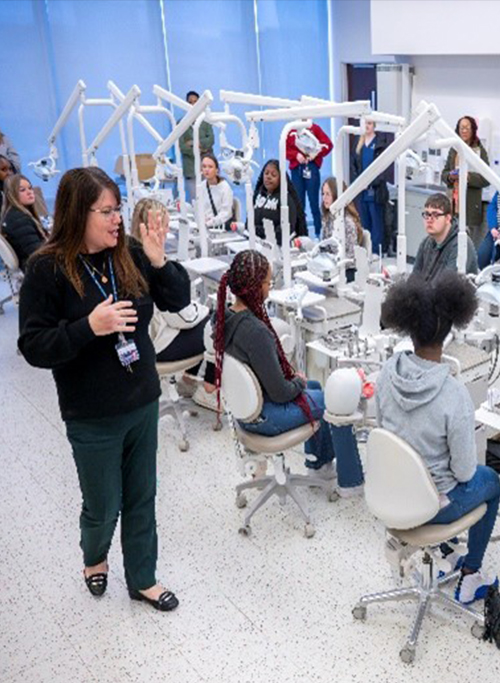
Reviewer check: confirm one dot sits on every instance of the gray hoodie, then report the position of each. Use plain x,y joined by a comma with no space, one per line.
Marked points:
248,339
422,403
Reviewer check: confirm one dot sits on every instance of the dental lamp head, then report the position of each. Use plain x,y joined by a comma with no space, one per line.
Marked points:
45,168
237,168
488,288
237,163
323,260
307,143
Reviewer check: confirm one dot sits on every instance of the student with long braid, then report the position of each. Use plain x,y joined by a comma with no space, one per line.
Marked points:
244,331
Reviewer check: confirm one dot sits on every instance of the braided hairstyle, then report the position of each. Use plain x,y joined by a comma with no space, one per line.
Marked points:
427,311
301,227
245,278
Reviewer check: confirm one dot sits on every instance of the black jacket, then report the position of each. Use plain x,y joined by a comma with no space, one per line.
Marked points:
55,333
22,234
268,206
379,185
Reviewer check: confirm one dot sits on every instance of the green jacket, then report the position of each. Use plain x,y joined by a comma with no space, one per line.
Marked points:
475,184
186,145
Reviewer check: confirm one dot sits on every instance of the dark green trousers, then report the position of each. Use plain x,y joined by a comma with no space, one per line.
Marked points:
116,462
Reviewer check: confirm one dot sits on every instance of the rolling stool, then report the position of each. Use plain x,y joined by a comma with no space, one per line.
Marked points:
171,407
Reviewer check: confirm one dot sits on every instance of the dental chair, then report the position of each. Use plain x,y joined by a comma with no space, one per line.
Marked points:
243,401
402,495
171,402
12,273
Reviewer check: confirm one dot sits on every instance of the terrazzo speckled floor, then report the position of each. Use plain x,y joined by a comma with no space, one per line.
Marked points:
272,608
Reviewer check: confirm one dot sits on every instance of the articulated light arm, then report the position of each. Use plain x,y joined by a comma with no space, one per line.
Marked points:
218,118
115,117
232,97
171,98
136,112
45,168
186,122
73,100
420,125
473,159
307,99
397,150
389,119
312,111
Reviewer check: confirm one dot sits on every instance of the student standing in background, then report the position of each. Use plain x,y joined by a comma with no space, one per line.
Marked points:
304,167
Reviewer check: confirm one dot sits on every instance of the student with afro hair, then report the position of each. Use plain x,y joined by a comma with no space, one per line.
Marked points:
420,401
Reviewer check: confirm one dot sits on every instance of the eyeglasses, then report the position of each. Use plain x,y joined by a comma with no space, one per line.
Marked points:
107,213
431,215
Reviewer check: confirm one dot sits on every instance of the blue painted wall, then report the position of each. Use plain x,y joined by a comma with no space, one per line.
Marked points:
276,47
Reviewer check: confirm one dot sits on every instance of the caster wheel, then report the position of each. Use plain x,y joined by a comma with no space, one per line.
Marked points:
309,531
407,655
477,630
193,413
184,445
241,500
333,496
217,426
245,530
359,612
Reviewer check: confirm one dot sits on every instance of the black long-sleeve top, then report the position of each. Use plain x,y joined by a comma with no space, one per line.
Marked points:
248,339
268,206
22,234
55,333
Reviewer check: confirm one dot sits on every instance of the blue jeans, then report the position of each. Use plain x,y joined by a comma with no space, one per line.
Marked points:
328,442
484,487
487,252
311,186
372,219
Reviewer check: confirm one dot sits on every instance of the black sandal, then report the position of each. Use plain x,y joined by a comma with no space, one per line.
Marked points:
96,583
165,603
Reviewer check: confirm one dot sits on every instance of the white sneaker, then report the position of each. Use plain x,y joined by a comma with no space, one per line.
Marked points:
209,401
473,587
455,560
351,491
327,471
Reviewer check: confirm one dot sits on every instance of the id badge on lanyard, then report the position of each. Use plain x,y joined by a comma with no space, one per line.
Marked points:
126,349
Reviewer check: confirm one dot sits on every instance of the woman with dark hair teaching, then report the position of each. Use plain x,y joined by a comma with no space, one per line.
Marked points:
418,400
85,307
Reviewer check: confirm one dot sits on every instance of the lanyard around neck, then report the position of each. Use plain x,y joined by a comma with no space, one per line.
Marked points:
96,281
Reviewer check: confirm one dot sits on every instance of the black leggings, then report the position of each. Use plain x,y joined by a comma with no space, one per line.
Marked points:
189,343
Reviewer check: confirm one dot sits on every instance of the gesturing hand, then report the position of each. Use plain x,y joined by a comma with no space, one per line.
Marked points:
108,317
153,237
